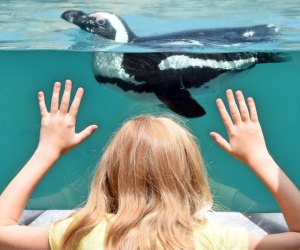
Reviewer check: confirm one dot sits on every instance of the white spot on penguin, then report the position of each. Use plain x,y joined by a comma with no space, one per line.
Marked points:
249,33
182,61
276,28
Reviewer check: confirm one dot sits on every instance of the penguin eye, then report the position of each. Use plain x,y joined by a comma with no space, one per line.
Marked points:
101,22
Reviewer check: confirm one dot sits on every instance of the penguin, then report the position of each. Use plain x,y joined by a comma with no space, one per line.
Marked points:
170,76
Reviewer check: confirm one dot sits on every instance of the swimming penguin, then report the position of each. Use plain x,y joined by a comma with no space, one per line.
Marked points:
170,75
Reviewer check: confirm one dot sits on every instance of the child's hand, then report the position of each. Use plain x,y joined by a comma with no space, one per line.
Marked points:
57,135
245,137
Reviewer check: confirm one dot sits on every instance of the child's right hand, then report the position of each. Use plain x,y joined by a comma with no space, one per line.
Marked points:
245,137
58,135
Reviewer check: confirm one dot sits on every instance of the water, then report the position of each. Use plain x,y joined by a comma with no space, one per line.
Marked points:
38,48
36,24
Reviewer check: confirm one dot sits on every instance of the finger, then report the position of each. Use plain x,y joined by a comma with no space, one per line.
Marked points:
252,107
87,132
55,97
235,113
42,104
224,114
65,101
76,102
243,106
220,141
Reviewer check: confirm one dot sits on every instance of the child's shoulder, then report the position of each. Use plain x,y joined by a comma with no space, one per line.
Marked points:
211,235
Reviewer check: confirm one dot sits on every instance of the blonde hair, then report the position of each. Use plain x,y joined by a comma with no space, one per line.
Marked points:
151,177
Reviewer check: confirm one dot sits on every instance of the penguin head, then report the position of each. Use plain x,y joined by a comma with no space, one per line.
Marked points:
103,24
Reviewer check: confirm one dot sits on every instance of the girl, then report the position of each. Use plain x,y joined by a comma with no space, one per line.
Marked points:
150,190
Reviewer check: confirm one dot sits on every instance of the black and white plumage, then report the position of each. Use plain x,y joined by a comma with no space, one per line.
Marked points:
170,75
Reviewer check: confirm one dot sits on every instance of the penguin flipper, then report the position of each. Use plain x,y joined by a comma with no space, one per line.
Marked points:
181,102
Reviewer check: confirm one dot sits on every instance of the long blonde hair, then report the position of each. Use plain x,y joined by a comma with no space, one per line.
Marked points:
151,177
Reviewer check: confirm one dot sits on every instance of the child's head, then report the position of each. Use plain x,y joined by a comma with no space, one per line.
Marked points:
152,178
152,160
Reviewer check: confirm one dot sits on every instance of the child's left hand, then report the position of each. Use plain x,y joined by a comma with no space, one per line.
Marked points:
58,135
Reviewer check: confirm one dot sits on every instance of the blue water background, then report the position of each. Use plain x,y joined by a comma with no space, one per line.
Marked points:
37,48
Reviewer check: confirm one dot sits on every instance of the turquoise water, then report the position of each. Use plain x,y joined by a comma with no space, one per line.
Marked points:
38,48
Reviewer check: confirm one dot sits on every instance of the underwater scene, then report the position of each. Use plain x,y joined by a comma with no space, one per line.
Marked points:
158,57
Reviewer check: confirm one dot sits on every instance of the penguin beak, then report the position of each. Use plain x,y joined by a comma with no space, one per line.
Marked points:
77,17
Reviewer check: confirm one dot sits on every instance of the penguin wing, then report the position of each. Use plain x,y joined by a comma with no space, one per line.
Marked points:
180,101
169,87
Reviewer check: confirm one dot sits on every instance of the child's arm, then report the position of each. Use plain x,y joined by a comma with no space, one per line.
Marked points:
246,143
57,136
